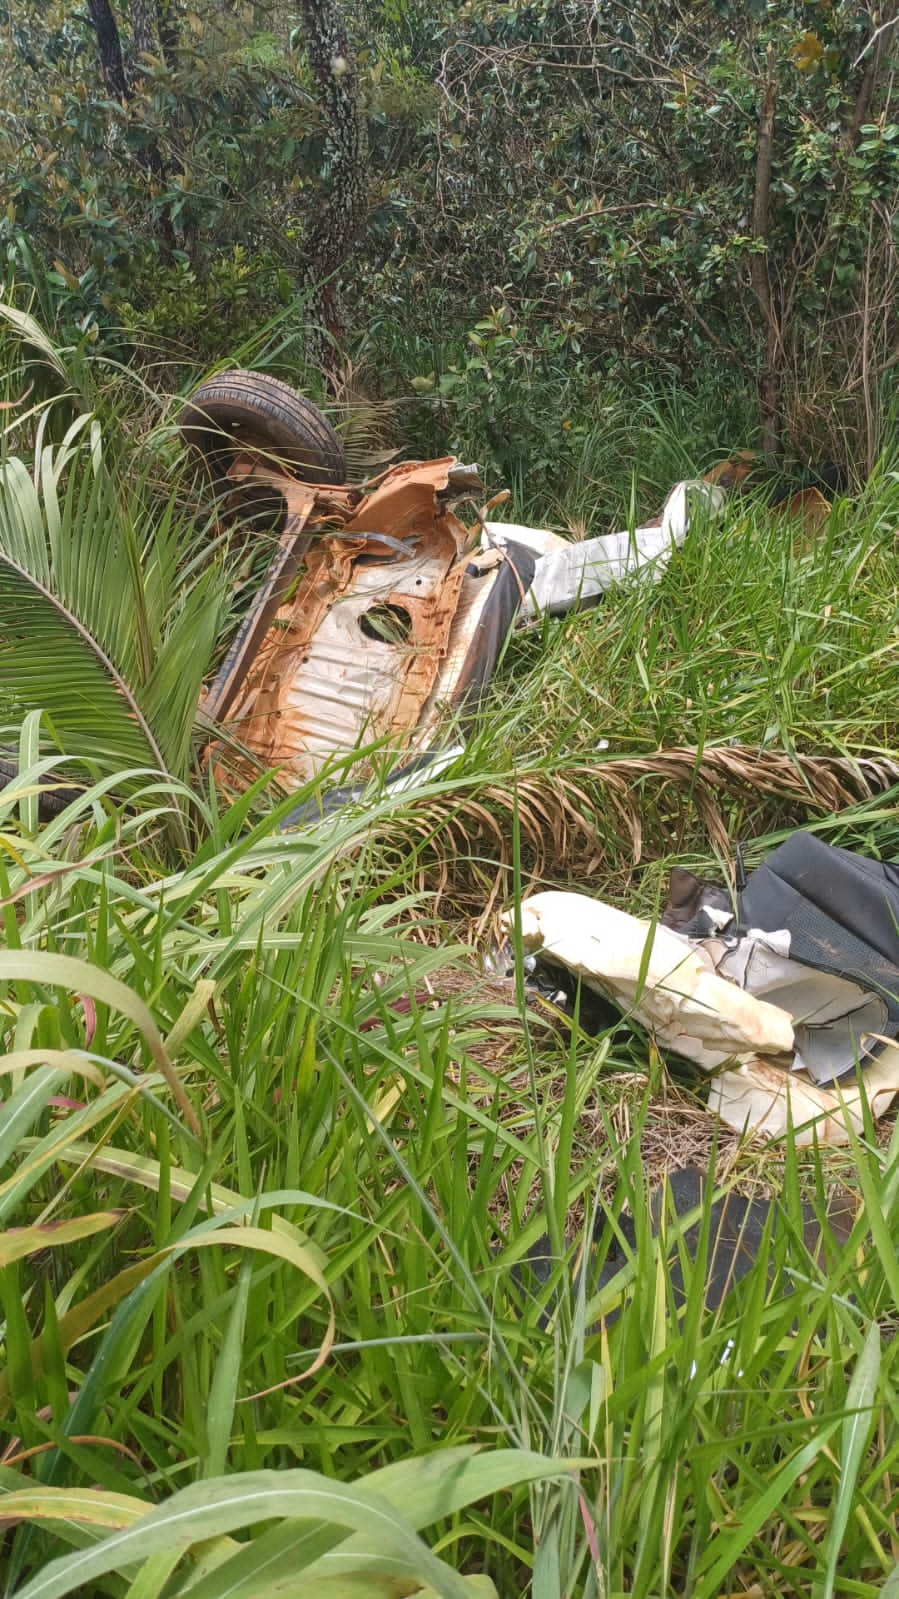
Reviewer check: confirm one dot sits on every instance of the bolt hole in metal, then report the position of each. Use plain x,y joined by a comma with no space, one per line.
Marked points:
386,624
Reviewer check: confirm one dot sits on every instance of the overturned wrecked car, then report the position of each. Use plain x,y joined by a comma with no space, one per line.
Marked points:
378,609
385,605
375,628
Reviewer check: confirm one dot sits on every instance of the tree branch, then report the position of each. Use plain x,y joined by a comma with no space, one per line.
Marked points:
862,103
759,275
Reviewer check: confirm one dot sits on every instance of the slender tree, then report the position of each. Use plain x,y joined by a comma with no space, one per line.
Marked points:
109,46
339,218
120,85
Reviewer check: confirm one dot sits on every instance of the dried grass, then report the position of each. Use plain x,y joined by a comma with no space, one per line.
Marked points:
605,818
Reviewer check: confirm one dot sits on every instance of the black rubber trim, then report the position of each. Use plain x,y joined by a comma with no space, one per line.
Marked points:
50,803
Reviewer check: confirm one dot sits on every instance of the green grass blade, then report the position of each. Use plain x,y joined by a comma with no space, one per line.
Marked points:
856,1431
26,1241
423,1490
224,1505
725,1550
65,971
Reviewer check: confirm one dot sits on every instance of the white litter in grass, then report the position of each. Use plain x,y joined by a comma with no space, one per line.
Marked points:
569,574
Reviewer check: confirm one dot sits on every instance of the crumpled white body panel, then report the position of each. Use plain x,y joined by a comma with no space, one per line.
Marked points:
496,535
834,1018
568,574
689,1008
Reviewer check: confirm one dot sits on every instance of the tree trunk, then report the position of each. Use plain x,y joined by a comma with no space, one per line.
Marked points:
760,277
146,43
143,27
116,82
865,92
334,229
110,47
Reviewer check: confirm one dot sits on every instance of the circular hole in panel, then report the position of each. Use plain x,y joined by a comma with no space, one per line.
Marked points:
386,624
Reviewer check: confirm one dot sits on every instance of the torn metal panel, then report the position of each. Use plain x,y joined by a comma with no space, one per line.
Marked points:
492,593
757,1097
705,1001
380,613
353,655
292,545
415,498
378,629
654,976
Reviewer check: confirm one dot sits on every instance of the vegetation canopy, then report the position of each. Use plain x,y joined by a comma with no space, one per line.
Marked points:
297,1185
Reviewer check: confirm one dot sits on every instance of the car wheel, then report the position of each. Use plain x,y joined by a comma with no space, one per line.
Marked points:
251,413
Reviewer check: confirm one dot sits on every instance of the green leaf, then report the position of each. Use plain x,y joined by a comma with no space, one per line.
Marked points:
727,1548
23,1108
226,1377
225,1504
19,1242
94,1507
31,333
372,1584
49,662
105,626
226,1202
423,1489
65,971
890,1589
153,1576
88,1312
479,1587
860,1403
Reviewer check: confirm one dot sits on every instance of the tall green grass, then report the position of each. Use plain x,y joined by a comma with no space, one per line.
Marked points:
273,1151
324,1277
755,634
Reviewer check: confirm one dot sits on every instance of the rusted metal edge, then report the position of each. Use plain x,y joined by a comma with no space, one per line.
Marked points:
292,546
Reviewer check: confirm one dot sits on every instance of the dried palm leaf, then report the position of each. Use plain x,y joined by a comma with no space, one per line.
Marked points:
612,815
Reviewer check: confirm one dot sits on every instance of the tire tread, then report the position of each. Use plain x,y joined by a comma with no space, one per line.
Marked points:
290,426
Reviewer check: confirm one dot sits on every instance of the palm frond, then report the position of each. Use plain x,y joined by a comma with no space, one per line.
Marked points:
370,428
104,625
48,661
37,342
587,822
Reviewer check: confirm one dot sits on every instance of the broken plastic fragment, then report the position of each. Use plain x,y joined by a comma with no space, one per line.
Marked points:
740,1231
655,977
759,1098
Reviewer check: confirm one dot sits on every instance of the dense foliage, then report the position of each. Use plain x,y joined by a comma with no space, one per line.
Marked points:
561,199
598,177
275,1141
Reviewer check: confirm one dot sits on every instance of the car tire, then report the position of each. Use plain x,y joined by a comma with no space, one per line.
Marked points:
50,802
250,412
